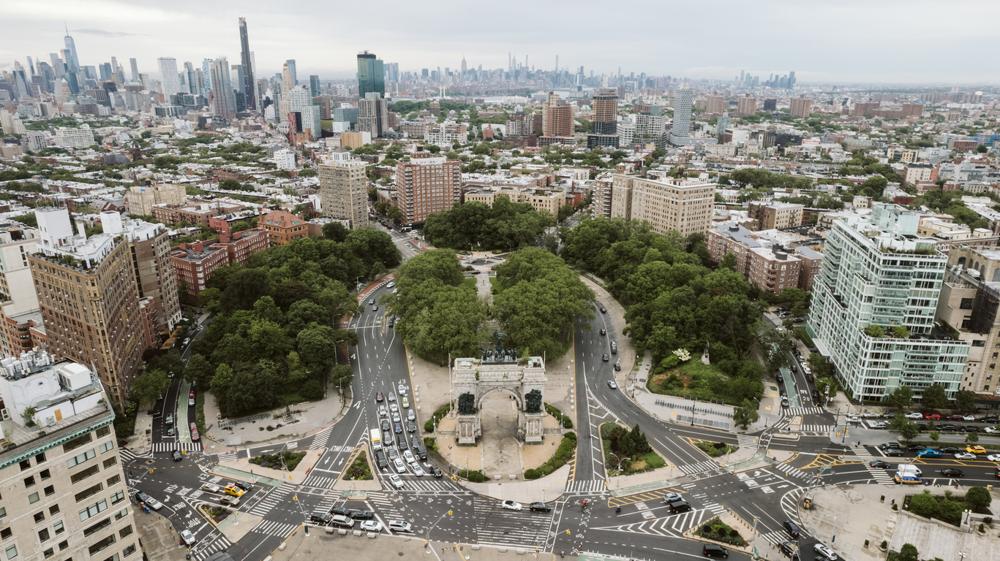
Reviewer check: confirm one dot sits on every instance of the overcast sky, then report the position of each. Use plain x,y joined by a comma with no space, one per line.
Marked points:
885,41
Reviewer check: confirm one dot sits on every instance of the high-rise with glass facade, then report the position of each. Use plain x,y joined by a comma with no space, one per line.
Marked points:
371,75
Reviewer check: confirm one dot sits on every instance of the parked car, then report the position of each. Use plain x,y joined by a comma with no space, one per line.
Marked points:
614,348
511,505
932,416
929,453
618,367
229,501
915,416
361,514
605,357
371,526
965,456
975,449
211,488
243,485
952,472
233,490
993,457
149,501
195,437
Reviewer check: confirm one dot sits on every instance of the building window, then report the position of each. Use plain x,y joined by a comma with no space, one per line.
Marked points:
101,545
44,474
63,545
128,550
25,464
81,475
29,481
39,516
40,458
103,431
126,531
106,446
53,510
11,552
5,533
114,479
110,462
49,552
77,442
33,498
3,512
58,527
43,535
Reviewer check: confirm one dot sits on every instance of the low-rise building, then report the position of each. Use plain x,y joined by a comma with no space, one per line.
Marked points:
282,227
195,263
776,215
140,199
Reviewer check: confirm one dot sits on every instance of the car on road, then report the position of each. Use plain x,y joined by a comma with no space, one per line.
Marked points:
612,384
539,507
605,357
915,416
190,402
438,474
361,514
170,431
672,497
417,470
233,490
380,460
878,424
379,397
879,464
342,510
320,518
187,537
408,456
411,426
392,406
893,452
400,526
371,301
410,415
418,450
785,402
401,388
990,430
825,552
382,411
168,420
854,419
229,501
404,402
399,465
618,367
602,308
385,424
614,348
371,526
951,450
150,501
965,456
677,507
397,427
393,453
792,528
396,481
511,505
392,399
932,416
975,449
195,437
391,284
993,457
211,488
396,418
788,548
952,472
176,455
929,453
716,551
604,331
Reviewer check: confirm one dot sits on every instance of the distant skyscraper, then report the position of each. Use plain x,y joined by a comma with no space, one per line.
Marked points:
247,86
72,60
604,131
289,78
192,79
373,114
313,85
681,129
223,99
134,67
169,81
371,75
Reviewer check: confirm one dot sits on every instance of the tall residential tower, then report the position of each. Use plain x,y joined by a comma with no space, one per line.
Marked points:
248,82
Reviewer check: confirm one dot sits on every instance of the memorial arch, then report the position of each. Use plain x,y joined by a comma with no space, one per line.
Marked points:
472,379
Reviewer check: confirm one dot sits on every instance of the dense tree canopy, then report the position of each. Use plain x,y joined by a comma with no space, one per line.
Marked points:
538,298
763,179
672,300
504,226
439,310
274,334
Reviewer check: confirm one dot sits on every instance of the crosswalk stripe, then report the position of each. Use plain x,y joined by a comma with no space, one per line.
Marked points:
700,467
274,528
775,538
797,473
586,486
128,455
800,410
161,447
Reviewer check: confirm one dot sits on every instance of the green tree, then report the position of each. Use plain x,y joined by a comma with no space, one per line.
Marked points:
934,397
335,231
907,553
776,348
746,414
934,436
978,499
965,401
374,245
901,398
971,438
906,428
198,370
150,385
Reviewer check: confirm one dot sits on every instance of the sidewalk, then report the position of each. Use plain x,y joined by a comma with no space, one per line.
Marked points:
308,418
331,546
297,477
856,513
141,441
547,488
160,541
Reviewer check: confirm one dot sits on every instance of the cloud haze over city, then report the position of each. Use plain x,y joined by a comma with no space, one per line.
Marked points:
912,41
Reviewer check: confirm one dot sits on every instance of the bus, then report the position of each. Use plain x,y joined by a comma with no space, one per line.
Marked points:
375,436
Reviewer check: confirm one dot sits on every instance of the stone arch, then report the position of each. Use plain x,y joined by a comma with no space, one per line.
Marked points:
473,379
509,391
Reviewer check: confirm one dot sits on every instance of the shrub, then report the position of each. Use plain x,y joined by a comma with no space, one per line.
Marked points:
430,443
563,454
436,417
473,475
563,419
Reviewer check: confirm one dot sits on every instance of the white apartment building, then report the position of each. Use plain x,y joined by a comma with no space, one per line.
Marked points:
64,491
877,275
665,204
74,138
284,159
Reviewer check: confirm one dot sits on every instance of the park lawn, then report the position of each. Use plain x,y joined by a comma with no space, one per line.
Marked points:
692,380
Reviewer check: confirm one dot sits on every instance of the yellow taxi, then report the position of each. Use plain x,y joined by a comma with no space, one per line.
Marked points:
233,490
977,449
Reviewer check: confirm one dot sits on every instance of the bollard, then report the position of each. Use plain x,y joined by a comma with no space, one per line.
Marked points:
881,499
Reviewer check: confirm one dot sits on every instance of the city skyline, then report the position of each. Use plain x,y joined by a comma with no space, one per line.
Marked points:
732,39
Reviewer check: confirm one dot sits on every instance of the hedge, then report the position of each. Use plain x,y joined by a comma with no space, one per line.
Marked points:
563,454
439,414
473,475
566,422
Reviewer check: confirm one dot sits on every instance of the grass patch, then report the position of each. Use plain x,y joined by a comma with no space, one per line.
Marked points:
693,380
714,449
359,470
717,530
285,460
439,414
564,420
473,475
627,452
563,454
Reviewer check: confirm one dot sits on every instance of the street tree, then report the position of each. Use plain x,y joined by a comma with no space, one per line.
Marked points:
971,438
901,398
934,397
150,385
978,499
906,428
746,414
965,401
908,552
